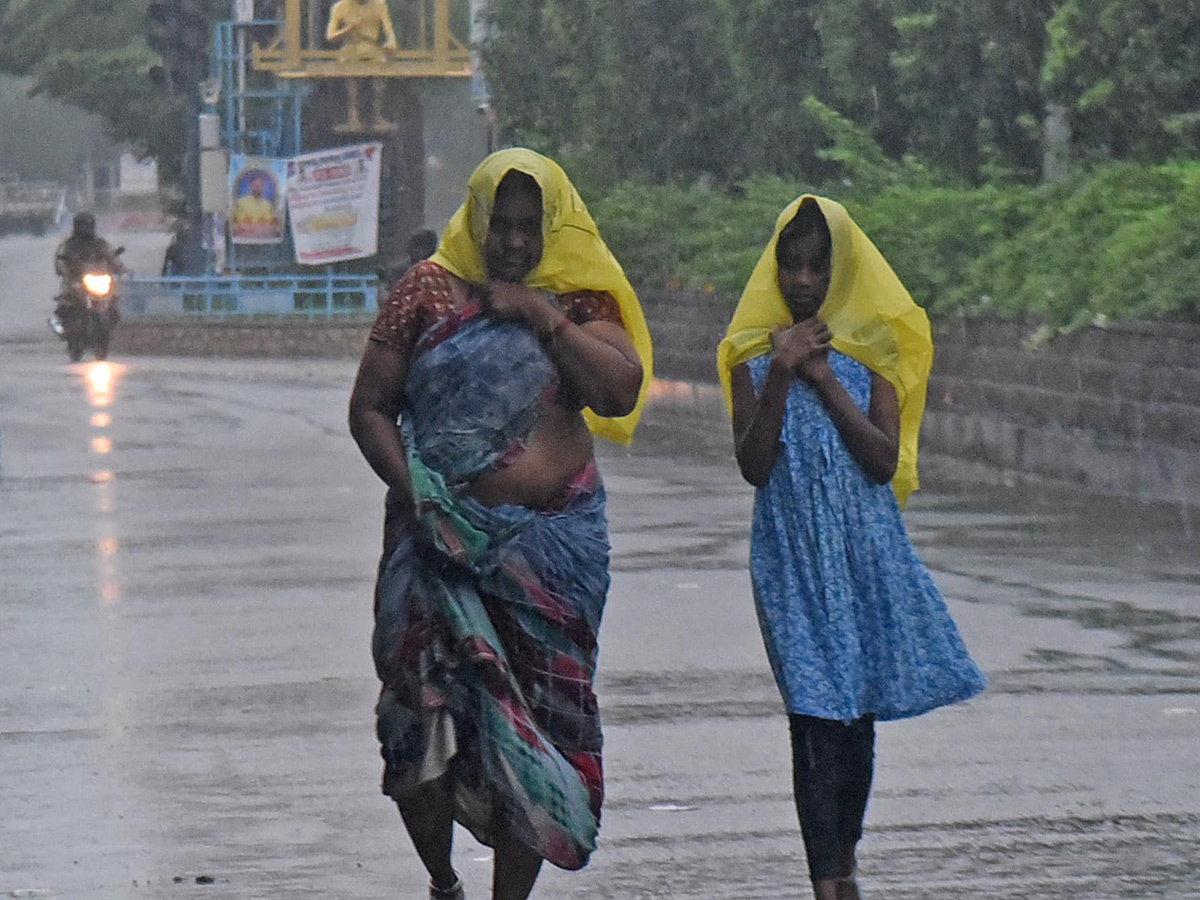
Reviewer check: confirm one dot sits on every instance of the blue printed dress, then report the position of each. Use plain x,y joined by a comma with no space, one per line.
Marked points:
851,618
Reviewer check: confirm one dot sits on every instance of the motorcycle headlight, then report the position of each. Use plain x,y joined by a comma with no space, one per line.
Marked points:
98,284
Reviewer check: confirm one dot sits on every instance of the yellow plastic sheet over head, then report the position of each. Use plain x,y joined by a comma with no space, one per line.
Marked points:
574,258
871,315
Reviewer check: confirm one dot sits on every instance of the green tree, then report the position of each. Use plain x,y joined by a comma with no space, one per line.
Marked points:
634,86
90,55
779,60
860,39
520,62
1014,50
40,137
93,55
676,109
970,81
1129,74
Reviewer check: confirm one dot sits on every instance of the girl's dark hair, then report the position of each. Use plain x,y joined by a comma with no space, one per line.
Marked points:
808,220
516,180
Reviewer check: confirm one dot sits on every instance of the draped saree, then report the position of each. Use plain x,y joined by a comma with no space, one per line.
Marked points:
486,617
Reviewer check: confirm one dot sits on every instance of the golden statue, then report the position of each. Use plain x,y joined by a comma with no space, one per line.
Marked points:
358,25
359,41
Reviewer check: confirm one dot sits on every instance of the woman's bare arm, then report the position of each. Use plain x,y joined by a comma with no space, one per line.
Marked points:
599,364
596,360
374,411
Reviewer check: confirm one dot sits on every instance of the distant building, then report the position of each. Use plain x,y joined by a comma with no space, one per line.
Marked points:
136,177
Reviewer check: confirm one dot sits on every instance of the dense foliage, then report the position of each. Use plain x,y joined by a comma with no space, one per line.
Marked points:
716,89
689,123
675,90
40,138
92,54
1129,73
1122,241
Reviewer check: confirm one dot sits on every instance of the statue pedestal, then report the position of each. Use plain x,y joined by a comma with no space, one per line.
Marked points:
354,123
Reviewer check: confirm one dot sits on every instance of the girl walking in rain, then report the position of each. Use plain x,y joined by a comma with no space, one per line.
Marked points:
824,366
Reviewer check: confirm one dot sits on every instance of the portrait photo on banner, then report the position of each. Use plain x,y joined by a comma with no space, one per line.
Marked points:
257,208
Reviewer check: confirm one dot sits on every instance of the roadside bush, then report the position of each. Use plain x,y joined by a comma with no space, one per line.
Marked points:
1121,241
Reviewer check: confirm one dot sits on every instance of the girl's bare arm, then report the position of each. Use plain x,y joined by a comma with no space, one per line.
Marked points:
758,421
873,438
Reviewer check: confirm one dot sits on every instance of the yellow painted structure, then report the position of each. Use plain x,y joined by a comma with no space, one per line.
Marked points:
434,52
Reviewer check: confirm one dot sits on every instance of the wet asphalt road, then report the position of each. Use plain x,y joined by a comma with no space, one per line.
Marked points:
186,555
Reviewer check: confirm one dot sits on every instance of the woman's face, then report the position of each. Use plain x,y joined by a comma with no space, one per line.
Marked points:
805,268
513,246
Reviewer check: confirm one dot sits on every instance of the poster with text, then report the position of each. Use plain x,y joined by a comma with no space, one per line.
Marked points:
333,200
257,194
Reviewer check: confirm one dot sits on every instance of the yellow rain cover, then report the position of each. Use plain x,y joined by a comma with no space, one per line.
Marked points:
575,258
871,315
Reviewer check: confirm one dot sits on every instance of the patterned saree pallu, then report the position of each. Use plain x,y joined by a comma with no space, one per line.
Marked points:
486,619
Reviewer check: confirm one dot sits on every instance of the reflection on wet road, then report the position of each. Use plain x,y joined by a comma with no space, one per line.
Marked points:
1074,776
186,554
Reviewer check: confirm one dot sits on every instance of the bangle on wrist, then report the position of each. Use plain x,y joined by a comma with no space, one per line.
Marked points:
558,328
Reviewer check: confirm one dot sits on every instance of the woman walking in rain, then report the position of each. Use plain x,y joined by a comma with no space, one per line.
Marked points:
500,356
824,366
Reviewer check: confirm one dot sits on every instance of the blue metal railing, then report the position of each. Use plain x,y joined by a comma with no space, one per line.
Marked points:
272,105
260,115
315,296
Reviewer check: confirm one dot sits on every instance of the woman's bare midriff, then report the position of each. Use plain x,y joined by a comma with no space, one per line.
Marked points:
559,447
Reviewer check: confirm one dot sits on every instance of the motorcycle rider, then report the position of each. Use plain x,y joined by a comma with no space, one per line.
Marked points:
81,251
83,248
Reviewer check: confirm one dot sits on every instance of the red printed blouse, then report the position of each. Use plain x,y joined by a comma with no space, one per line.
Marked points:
425,294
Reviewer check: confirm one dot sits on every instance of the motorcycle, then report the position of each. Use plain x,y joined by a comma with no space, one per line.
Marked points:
86,311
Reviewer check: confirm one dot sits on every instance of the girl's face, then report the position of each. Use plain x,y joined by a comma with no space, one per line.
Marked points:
513,246
805,268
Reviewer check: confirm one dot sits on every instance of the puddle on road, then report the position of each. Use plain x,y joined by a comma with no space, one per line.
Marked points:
1102,565
1148,630
183,479
1058,526
648,697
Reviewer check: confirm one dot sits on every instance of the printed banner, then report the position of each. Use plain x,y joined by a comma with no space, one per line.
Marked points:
257,193
333,200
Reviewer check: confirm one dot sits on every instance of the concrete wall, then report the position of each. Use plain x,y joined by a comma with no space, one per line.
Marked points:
686,326
243,336
1113,410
